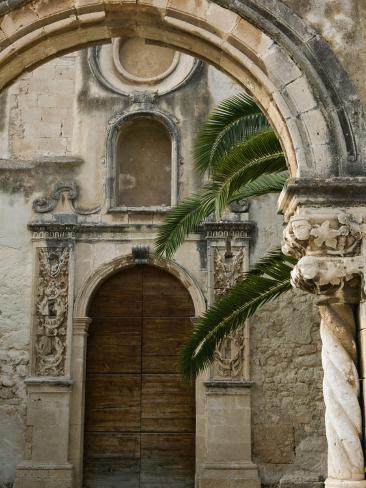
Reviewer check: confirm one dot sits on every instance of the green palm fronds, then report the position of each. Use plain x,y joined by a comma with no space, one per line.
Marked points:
243,158
233,121
269,279
190,212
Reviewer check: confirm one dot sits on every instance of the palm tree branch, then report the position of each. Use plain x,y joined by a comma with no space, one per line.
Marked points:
233,120
190,212
266,281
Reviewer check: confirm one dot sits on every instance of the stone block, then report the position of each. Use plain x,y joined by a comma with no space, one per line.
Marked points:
250,40
221,19
88,5
188,8
47,101
301,94
158,4
280,67
67,24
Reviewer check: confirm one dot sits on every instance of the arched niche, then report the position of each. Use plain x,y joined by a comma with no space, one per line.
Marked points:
142,158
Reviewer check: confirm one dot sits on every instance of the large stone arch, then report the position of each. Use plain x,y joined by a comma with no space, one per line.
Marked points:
317,115
263,45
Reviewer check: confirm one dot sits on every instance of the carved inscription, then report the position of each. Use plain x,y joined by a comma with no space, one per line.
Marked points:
51,311
230,355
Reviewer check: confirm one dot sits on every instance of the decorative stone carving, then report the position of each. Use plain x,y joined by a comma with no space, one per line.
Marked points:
316,234
70,192
330,267
341,389
230,355
227,271
144,99
322,275
51,311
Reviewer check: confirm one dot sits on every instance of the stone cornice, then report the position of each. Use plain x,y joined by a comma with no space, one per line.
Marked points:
76,231
326,192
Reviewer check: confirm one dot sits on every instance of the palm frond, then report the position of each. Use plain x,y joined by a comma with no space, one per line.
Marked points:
190,212
264,184
259,155
183,219
233,121
269,279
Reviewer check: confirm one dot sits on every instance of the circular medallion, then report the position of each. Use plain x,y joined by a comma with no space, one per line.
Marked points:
136,64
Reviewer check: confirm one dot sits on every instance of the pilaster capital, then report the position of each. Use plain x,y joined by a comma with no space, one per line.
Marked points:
81,325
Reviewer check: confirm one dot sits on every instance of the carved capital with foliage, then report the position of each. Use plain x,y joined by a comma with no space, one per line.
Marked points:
336,233
327,243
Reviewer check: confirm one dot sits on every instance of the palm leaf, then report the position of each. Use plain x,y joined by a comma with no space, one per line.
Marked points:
233,121
259,155
190,212
269,279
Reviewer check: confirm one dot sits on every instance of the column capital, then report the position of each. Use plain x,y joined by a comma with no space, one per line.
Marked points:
328,244
333,277
327,232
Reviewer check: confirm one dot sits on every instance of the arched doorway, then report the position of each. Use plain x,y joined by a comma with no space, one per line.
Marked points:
139,416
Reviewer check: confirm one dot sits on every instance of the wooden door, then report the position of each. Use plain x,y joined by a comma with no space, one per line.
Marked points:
139,416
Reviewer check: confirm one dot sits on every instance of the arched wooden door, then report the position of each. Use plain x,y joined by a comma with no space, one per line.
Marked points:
139,416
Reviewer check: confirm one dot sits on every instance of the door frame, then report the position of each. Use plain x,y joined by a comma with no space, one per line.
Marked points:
81,323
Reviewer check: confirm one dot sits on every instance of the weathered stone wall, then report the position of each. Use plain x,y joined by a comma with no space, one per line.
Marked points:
40,112
57,118
342,24
287,407
15,310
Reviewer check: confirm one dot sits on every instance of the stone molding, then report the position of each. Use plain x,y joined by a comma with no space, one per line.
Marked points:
230,357
228,259
111,267
115,124
81,325
326,193
228,229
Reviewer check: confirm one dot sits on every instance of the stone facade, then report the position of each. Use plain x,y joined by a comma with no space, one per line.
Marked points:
73,196
56,182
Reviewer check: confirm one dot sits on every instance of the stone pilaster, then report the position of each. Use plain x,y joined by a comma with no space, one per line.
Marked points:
49,387
79,346
228,456
328,243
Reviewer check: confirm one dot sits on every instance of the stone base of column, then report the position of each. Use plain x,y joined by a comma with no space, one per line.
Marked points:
243,475
40,475
332,483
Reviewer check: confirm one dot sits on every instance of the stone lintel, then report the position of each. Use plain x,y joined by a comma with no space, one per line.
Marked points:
327,192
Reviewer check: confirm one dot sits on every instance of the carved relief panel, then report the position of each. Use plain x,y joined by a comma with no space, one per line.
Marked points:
231,357
228,259
51,311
